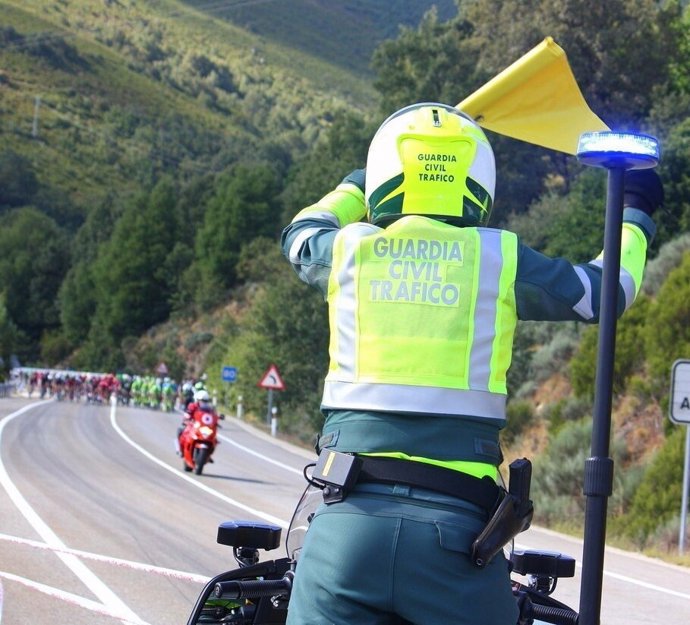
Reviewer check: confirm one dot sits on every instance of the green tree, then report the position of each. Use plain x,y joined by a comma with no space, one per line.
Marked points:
618,50
77,299
18,182
667,335
676,177
243,207
622,54
34,256
552,220
630,353
577,232
438,61
443,61
343,149
286,324
9,336
77,294
133,288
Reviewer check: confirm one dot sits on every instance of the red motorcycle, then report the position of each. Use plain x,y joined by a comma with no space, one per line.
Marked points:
198,440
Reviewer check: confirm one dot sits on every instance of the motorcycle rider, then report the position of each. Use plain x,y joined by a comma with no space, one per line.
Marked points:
187,393
202,402
423,303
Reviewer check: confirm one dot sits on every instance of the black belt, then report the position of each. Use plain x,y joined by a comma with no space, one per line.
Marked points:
483,492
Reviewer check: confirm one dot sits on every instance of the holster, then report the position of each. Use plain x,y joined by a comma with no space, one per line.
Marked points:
512,515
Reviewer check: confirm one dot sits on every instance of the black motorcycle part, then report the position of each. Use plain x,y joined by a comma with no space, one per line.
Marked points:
547,563
201,456
253,588
263,611
249,534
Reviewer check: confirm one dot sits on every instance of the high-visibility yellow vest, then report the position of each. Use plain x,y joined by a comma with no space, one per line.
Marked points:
422,318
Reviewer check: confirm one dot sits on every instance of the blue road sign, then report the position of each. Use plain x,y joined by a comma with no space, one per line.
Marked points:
229,374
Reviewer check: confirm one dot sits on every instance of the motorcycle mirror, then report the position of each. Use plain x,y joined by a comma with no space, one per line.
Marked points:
221,416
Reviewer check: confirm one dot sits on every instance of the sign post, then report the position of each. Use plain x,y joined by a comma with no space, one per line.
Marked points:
271,381
274,420
679,412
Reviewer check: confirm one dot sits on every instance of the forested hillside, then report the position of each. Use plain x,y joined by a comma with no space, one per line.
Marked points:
344,33
152,152
120,121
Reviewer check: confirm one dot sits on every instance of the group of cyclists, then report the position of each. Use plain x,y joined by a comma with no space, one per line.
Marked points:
146,391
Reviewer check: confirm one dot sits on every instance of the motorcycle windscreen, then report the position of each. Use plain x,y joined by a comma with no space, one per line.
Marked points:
311,498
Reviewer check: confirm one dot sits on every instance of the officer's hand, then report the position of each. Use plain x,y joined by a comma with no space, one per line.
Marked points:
643,190
357,178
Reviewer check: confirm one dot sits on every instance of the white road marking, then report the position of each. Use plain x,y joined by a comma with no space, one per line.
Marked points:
69,597
128,564
110,600
654,587
233,502
618,576
285,467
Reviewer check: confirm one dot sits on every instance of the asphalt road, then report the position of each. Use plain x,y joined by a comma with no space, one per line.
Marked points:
108,485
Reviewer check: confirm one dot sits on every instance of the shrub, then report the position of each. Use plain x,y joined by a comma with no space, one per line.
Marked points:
669,257
657,499
565,410
196,339
558,476
520,414
555,355
629,357
667,335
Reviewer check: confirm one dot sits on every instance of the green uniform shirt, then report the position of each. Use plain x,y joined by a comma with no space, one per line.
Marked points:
440,303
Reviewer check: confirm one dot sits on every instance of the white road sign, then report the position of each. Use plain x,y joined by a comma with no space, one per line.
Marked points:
679,410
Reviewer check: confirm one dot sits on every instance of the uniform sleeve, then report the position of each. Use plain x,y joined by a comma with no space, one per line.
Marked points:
307,242
554,289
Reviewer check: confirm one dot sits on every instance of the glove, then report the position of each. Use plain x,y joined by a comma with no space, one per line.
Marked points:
642,189
357,178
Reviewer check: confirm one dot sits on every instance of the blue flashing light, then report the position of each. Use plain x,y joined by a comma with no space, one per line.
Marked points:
618,149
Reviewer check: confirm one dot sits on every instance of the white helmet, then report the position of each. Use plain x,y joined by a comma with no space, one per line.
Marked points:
200,396
430,159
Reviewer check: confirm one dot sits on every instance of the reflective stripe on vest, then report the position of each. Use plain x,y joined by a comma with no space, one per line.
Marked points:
422,318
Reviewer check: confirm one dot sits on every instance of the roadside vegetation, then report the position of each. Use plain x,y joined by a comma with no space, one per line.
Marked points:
152,152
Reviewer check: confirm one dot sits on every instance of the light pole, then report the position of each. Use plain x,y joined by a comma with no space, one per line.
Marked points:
616,152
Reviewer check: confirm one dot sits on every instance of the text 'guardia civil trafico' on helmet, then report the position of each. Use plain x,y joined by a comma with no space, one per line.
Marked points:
430,159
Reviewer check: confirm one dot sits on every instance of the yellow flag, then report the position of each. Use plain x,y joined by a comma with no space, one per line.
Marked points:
536,99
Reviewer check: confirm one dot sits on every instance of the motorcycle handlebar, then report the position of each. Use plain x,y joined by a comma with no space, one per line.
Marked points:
253,588
257,588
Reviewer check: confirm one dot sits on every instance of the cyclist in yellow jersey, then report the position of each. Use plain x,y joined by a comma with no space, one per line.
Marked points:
423,302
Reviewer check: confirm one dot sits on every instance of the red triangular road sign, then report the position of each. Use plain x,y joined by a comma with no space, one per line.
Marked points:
272,380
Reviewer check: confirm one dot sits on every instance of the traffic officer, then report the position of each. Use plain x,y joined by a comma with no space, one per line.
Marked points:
423,301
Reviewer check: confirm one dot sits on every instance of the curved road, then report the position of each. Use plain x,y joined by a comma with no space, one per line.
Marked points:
100,525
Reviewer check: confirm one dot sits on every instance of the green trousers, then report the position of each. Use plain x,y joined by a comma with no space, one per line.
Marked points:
392,552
